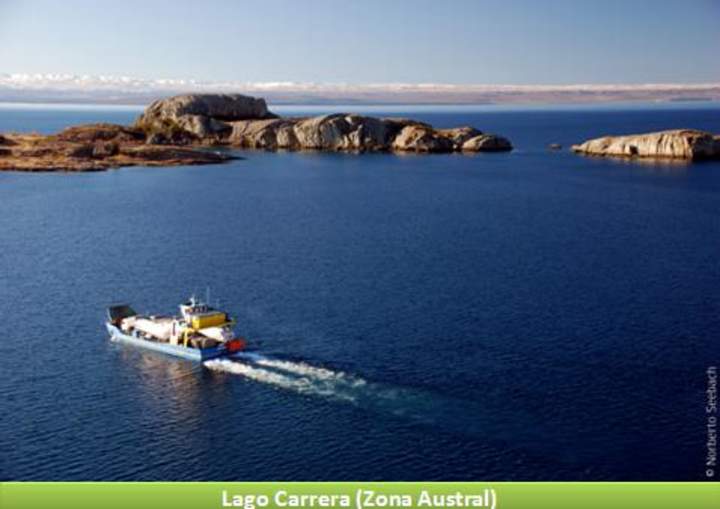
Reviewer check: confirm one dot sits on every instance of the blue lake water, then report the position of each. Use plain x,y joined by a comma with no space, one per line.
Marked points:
523,316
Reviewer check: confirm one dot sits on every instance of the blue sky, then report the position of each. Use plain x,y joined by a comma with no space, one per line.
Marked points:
370,41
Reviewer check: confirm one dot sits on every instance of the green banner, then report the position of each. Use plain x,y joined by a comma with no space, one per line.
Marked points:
365,495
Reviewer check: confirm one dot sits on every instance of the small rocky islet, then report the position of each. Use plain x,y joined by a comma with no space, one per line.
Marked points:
186,130
679,144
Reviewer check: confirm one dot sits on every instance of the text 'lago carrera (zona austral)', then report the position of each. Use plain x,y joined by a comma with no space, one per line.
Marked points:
362,498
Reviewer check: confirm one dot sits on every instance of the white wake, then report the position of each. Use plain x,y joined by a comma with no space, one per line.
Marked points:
299,377
421,406
304,378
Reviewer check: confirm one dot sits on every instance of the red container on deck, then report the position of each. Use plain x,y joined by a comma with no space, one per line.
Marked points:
235,345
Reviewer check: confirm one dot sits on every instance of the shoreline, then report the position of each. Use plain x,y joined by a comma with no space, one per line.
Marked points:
396,106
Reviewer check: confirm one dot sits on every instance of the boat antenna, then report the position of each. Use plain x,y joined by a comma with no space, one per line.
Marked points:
207,295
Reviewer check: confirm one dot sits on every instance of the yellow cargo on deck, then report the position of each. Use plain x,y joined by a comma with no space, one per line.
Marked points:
208,320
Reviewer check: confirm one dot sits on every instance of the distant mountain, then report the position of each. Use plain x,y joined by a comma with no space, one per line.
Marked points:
70,88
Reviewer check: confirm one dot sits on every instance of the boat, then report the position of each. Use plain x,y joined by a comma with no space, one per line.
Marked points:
200,332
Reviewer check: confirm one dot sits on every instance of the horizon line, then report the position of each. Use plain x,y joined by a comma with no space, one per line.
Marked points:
119,79
110,89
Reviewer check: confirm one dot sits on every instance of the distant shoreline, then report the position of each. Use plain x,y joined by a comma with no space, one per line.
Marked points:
119,90
289,107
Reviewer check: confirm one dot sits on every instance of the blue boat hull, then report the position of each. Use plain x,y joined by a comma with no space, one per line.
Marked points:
193,354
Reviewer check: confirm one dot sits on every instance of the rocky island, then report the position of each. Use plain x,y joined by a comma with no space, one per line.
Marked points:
95,147
685,144
182,130
242,121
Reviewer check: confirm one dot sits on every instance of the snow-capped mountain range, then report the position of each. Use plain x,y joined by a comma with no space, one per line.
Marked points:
63,88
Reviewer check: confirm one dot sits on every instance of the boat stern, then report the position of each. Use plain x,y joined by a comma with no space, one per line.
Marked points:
224,350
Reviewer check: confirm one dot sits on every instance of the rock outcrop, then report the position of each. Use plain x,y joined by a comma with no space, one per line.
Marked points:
243,121
341,132
676,144
93,148
416,138
265,134
91,133
328,132
200,115
459,135
486,143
